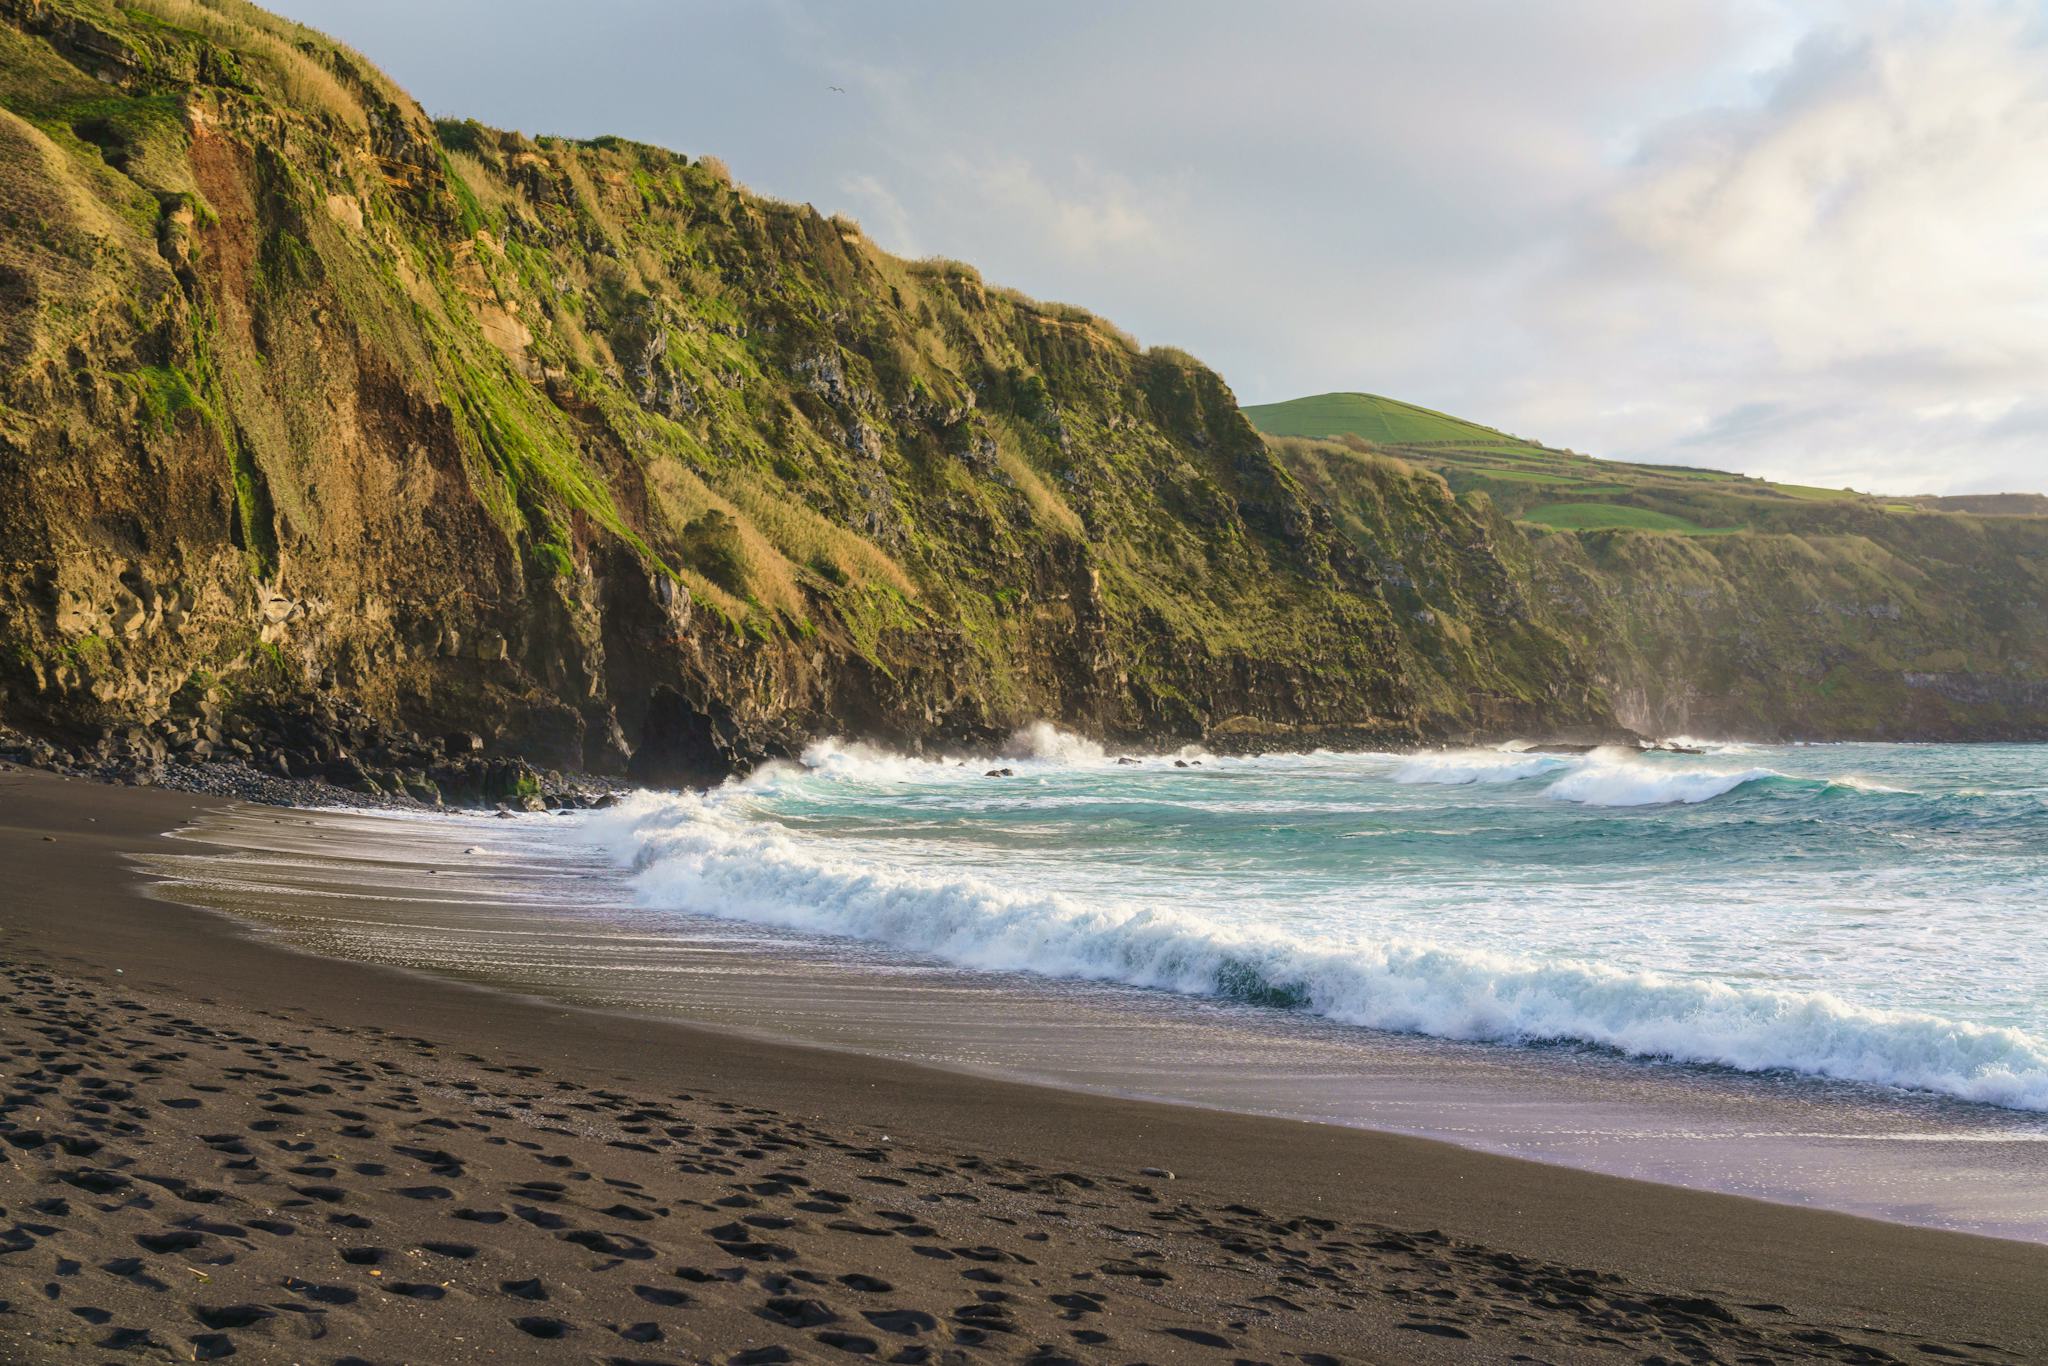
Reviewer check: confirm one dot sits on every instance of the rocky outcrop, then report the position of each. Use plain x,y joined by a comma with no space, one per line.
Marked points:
292,755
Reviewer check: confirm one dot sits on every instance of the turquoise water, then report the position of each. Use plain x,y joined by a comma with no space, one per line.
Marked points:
1872,913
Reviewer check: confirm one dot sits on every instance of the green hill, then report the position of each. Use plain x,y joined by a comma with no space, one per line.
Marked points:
1380,421
1559,489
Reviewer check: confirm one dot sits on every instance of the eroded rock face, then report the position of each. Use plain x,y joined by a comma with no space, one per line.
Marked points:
578,448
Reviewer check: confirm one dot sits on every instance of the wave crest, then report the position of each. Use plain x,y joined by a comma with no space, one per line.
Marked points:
849,761
692,854
1642,784
1605,777
1463,767
1040,744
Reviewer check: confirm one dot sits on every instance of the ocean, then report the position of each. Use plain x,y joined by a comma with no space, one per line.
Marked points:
1869,913
1729,968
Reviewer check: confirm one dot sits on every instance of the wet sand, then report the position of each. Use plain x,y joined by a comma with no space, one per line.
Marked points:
215,1142
528,905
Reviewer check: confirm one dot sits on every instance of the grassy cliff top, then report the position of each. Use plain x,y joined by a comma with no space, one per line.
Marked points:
1565,491
1381,421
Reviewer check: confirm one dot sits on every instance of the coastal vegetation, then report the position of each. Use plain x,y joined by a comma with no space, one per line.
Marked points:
584,447
1715,603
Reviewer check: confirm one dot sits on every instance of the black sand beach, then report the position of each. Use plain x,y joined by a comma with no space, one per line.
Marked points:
210,1145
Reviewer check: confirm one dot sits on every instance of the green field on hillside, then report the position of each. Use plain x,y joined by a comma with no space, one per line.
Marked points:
1382,421
1565,491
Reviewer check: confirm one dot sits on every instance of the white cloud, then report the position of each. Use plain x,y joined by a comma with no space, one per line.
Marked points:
1843,278
1088,214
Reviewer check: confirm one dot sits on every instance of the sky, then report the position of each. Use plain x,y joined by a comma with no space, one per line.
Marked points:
1804,239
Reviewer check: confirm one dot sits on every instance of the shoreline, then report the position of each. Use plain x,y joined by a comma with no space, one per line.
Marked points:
113,759
517,907
1854,1280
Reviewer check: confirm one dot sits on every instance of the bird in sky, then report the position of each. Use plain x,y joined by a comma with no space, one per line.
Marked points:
837,89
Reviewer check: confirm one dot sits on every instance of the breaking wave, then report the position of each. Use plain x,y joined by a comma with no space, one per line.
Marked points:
1640,784
1603,777
1040,747
707,856
1044,741
1477,766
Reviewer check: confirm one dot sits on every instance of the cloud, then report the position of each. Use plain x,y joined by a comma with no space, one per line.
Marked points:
1087,214
1845,275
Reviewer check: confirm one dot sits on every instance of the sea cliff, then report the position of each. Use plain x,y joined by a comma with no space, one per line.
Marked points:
328,431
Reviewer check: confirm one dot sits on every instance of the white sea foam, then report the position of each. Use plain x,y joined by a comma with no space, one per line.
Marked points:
1711,746
1039,748
1460,767
854,760
1854,783
1040,745
703,855
1635,782
1043,741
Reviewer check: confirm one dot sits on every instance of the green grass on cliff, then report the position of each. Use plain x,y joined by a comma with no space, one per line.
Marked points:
162,392
1608,517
